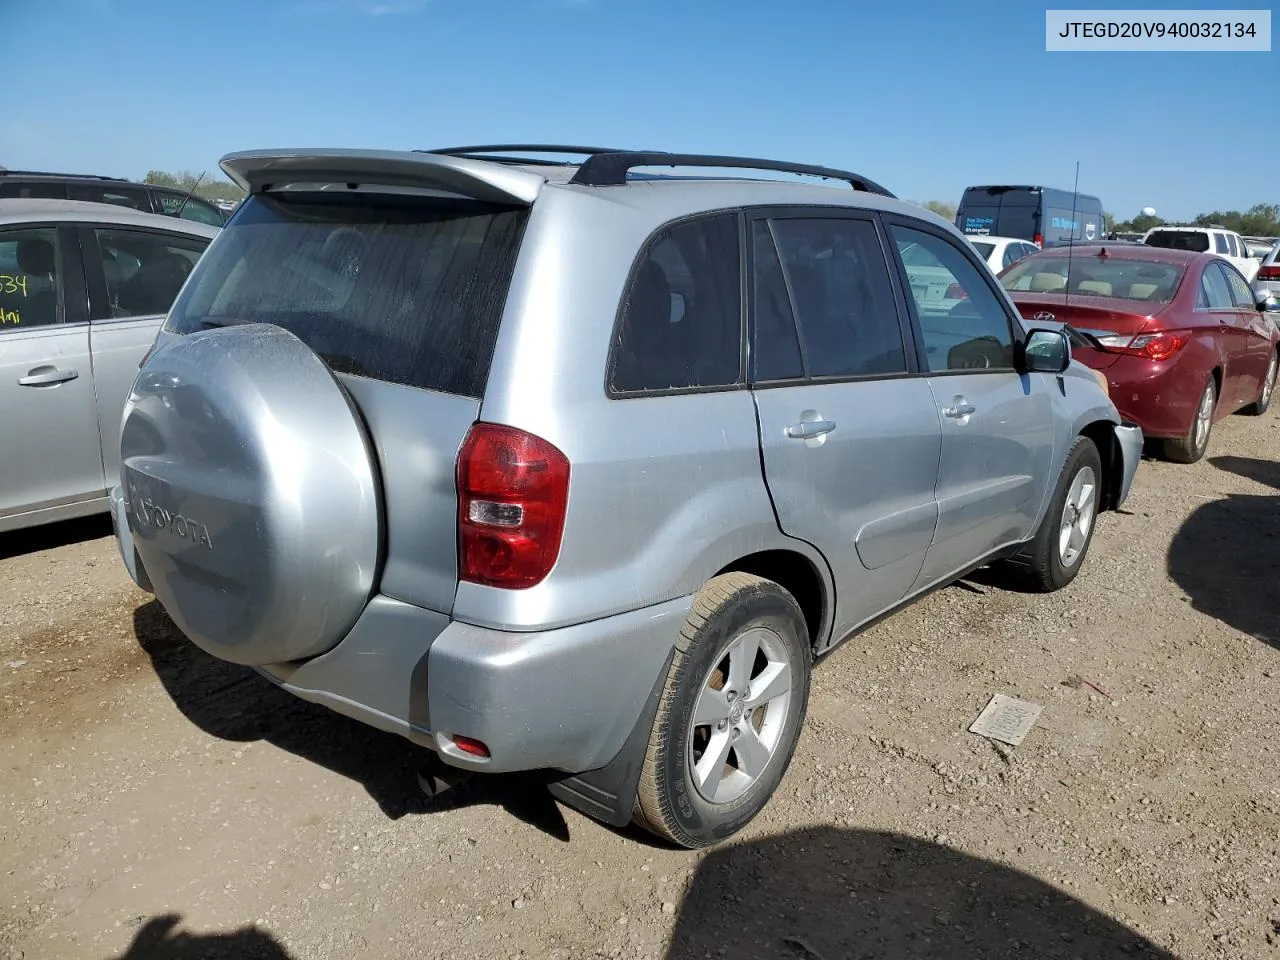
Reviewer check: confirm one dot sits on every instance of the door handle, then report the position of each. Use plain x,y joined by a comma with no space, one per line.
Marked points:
959,410
808,429
46,376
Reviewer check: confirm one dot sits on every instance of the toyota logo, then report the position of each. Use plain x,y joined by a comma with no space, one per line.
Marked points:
1044,317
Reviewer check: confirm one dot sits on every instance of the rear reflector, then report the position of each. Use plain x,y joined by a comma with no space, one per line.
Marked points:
468,745
513,492
1150,346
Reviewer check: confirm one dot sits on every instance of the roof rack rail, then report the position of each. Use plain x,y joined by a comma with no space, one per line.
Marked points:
487,152
610,168
4,172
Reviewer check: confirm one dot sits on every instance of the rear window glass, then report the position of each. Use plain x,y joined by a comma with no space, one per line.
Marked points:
398,288
1180,240
984,249
1094,277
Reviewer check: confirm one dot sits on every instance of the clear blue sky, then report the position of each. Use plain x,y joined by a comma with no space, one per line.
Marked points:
925,97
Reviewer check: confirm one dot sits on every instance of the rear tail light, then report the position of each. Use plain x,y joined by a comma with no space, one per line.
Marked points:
1150,346
1269,273
513,492
956,292
1039,240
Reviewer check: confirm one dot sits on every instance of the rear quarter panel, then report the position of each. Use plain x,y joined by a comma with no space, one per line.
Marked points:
664,490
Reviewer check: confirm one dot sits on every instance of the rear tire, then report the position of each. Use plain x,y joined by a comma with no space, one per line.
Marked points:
1054,556
744,631
1259,406
1190,448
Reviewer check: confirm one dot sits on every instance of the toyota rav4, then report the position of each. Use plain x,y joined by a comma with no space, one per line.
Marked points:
551,464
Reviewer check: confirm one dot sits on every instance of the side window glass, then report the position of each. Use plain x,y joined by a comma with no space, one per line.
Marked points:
192,209
144,271
1012,253
965,327
201,212
29,270
1241,294
682,316
839,284
1220,243
775,354
1215,293
121,197
38,189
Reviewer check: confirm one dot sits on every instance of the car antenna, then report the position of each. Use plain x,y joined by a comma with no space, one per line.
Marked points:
1075,203
183,205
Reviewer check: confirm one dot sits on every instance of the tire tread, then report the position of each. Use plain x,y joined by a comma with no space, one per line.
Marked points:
651,808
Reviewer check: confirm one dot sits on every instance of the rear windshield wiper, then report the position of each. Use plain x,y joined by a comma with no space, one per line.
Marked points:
212,323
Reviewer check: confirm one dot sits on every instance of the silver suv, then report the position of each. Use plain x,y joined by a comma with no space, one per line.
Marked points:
553,466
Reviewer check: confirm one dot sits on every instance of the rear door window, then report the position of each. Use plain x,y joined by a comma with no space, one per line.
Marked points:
399,288
30,293
1215,291
841,295
1241,294
681,321
143,271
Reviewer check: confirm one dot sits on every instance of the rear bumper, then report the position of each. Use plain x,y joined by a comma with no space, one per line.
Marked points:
1130,438
1160,398
564,699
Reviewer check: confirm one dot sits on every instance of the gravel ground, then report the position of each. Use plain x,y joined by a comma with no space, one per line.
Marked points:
158,803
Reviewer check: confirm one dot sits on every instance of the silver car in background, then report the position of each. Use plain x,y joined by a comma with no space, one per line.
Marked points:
545,467
84,288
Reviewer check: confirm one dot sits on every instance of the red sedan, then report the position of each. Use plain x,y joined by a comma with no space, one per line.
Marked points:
1179,335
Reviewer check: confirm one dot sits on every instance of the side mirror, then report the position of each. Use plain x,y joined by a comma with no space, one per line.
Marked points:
1268,303
1046,351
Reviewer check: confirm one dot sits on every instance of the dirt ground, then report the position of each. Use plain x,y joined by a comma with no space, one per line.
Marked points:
158,803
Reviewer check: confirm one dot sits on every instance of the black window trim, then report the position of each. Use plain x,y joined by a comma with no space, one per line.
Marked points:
1017,329
98,299
73,299
615,333
820,212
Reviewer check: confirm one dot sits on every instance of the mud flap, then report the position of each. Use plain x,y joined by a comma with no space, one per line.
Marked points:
609,793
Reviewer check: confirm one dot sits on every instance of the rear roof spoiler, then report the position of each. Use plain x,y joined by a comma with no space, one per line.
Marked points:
259,170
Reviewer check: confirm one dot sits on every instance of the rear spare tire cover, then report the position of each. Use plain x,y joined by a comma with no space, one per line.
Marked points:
251,493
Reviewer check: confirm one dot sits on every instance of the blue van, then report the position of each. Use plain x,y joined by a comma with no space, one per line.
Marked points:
1043,215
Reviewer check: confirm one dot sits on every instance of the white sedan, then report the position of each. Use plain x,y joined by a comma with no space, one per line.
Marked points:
1001,252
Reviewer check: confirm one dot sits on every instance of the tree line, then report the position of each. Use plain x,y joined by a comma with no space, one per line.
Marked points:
207,184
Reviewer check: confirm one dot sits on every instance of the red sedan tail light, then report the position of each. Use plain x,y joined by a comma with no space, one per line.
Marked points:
1160,345
1271,272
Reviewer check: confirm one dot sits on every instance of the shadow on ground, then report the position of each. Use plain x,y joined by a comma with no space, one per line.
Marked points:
50,536
1226,556
824,893
235,703
159,939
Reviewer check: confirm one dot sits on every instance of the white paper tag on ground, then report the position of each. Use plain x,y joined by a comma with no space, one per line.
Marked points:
1006,719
